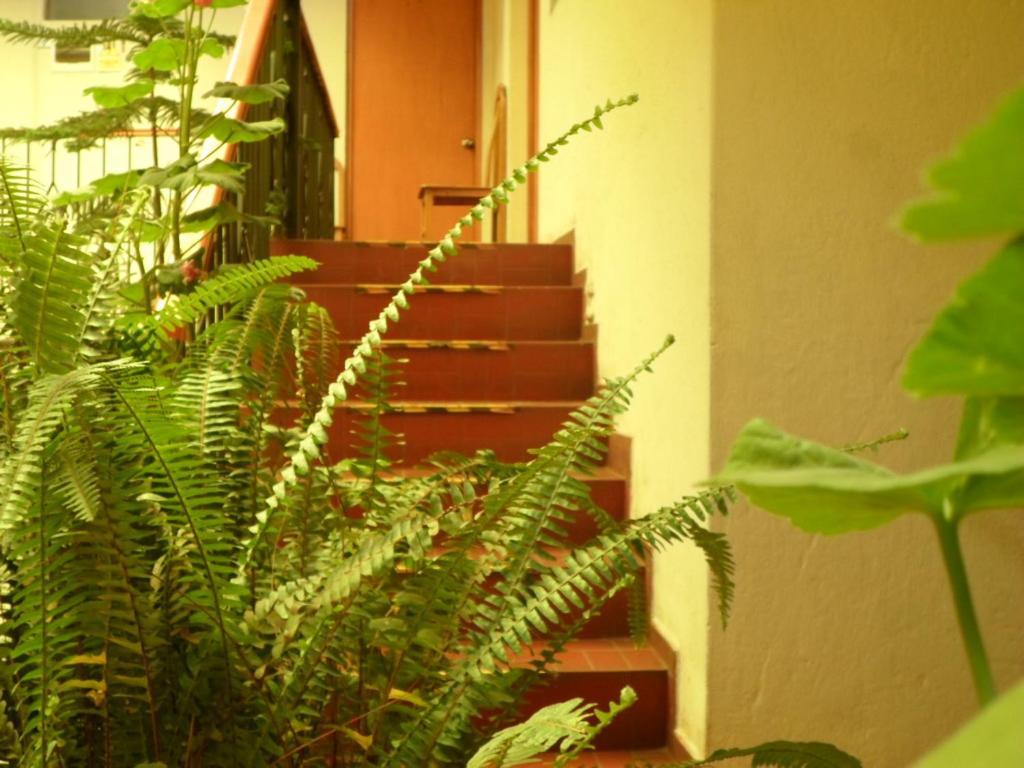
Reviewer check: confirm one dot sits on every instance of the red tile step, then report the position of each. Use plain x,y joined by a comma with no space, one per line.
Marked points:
505,264
492,370
510,429
632,758
596,669
472,312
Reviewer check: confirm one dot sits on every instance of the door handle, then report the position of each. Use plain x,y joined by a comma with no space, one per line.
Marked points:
468,144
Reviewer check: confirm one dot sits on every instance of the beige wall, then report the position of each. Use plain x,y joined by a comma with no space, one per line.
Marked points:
505,61
825,115
636,196
761,236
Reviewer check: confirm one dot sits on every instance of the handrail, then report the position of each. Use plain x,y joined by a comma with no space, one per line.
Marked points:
496,166
291,175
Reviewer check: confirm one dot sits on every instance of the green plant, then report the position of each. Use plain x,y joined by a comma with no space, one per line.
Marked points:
972,350
175,592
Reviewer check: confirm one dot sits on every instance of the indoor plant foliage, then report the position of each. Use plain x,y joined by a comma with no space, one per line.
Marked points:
186,577
973,350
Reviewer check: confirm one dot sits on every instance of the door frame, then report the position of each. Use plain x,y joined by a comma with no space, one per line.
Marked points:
350,159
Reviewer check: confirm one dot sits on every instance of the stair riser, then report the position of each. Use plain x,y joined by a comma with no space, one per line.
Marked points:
643,726
485,265
523,314
522,372
509,435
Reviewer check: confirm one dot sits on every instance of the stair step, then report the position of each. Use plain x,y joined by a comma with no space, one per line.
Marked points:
596,670
633,758
510,429
492,370
488,312
505,264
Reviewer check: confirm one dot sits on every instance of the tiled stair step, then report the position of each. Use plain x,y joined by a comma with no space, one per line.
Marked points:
596,669
492,370
474,313
510,429
505,264
633,758
607,489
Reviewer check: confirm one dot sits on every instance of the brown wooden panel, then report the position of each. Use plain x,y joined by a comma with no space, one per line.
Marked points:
413,98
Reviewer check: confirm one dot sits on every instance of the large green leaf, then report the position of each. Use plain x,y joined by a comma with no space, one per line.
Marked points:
974,345
259,93
993,739
229,130
183,174
164,55
112,97
224,212
979,189
823,490
159,9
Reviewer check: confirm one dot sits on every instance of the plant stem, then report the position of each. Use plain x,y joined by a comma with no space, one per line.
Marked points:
949,539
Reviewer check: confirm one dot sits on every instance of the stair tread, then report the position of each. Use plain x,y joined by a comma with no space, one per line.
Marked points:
440,287
615,759
468,404
604,655
279,243
600,474
470,344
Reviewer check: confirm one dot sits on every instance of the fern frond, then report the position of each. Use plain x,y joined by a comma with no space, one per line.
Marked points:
543,731
48,402
51,290
185,490
76,35
230,285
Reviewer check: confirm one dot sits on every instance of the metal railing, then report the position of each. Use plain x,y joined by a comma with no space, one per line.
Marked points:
291,175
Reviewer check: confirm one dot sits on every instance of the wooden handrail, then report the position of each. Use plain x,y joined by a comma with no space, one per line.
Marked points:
291,175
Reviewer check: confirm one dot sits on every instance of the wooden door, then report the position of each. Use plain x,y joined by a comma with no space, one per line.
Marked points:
413,109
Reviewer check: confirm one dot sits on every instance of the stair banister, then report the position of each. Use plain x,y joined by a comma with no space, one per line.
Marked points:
291,176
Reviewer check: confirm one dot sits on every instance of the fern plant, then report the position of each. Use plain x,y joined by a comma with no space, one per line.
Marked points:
189,580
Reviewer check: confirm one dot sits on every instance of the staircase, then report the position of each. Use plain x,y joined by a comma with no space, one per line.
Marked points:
498,359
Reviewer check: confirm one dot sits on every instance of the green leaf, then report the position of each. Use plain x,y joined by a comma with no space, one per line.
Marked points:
989,421
183,174
822,490
116,183
122,96
260,93
785,754
973,346
159,9
221,173
992,738
231,284
230,131
212,48
222,213
164,54
979,189
227,3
